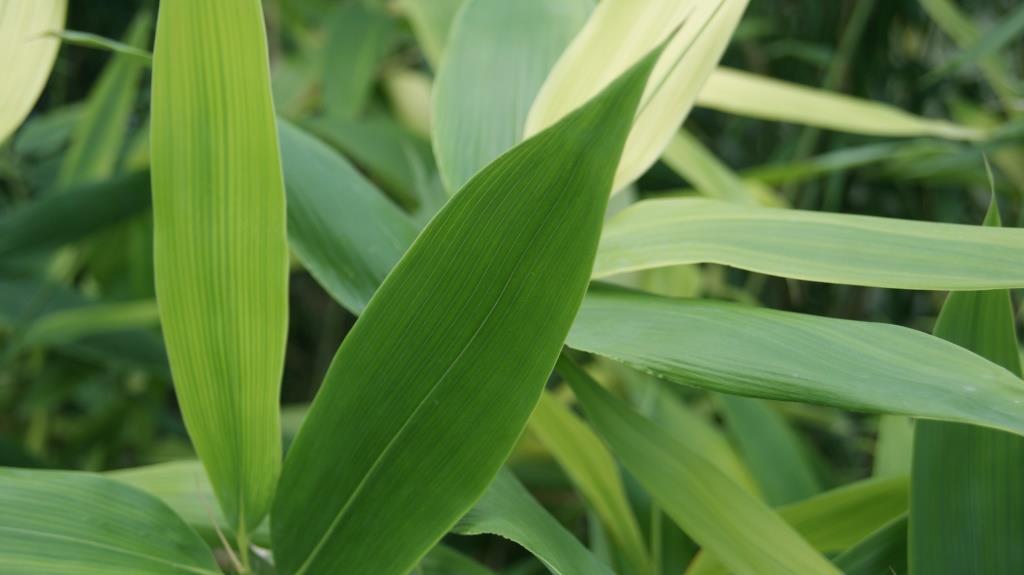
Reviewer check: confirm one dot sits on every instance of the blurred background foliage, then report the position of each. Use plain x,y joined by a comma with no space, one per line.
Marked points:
90,388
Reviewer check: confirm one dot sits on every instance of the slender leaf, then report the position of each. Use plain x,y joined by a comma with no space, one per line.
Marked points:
708,175
27,56
516,276
709,507
75,323
594,472
792,357
728,90
813,246
618,32
1007,31
967,515
79,523
220,245
835,520
97,42
508,509
497,57
884,551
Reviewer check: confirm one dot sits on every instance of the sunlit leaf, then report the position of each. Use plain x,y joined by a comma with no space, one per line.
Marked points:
26,56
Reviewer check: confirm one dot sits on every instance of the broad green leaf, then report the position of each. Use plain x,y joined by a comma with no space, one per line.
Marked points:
730,91
594,472
345,232
27,55
617,34
80,211
757,352
358,37
835,520
499,254
967,514
747,535
220,244
78,523
771,450
99,136
812,246
431,21
497,57
185,488
884,551
97,42
507,509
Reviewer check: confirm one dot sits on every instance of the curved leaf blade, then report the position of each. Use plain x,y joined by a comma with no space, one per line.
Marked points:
79,523
758,352
221,251
27,54
423,393
812,246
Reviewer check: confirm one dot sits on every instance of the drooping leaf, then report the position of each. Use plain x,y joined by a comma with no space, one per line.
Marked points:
75,323
618,32
97,42
423,392
593,470
347,234
786,356
497,57
967,512
78,523
835,520
813,246
221,249
99,136
26,56
507,509
728,90
747,535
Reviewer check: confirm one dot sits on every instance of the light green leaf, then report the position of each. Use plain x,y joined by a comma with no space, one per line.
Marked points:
967,514
709,176
345,232
78,523
497,57
185,488
792,357
97,42
703,501
221,250
594,472
730,91
26,56
771,449
617,34
894,448
98,137
499,254
835,520
813,246
507,509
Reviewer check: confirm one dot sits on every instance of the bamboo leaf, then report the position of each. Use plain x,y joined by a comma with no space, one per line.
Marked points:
813,246
508,509
27,56
747,535
79,523
728,90
835,520
496,59
97,42
594,472
221,250
618,32
793,357
967,514
347,506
